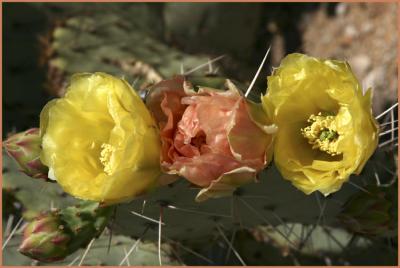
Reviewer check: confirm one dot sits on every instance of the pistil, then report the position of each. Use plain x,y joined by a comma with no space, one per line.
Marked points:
322,133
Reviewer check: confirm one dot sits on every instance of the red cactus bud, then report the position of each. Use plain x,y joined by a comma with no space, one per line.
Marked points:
43,239
54,235
24,148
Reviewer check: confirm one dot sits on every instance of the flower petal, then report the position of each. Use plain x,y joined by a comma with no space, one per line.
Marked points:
100,109
303,86
227,183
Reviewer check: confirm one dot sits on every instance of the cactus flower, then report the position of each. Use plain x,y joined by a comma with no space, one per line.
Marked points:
326,128
100,141
24,148
44,239
216,139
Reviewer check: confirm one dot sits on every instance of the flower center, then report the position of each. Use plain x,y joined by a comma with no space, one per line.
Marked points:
322,133
105,156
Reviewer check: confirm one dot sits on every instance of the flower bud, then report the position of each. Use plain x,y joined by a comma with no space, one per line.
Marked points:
54,235
44,239
24,148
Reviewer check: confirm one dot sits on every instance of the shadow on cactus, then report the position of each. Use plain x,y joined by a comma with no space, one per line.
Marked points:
371,213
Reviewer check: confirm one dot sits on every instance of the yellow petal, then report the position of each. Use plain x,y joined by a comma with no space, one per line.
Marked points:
303,86
97,110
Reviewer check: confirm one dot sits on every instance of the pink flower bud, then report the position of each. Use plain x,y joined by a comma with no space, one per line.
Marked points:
44,240
24,148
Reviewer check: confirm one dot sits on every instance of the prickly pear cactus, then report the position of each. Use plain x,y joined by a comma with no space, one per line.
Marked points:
271,201
34,196
57,224
162,215
295,228
318,245
121,248
371,213
39,234
122,45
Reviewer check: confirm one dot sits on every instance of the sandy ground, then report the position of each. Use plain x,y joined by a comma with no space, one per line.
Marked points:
366,36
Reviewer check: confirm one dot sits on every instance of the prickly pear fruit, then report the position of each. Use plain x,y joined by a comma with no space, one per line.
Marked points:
25,147
56,234
369,213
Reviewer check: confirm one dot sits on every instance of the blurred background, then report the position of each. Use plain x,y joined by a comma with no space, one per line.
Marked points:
44,43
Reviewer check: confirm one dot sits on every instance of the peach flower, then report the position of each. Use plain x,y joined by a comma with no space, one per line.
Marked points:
218,140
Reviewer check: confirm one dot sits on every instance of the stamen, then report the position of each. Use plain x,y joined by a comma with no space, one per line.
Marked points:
322,133
105,157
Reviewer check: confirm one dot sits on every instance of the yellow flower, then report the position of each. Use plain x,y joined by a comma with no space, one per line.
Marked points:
326,130
100,141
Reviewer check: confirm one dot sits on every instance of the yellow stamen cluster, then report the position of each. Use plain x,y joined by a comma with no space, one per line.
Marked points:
105,157
322,133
